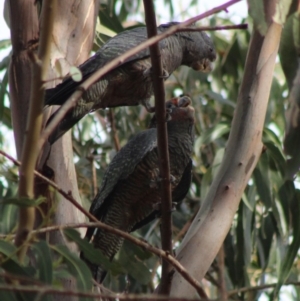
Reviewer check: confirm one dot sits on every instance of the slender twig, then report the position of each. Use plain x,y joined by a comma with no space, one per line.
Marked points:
214,28
114,132
47,290
30,151
94,176
184,228
68,196
162,146
209,277
74,98
259,287
60,291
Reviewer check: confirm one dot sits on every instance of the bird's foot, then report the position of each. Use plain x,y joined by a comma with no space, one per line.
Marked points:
151,109
149,71
165,74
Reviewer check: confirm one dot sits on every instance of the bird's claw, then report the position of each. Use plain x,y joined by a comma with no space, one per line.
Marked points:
165,74
149,71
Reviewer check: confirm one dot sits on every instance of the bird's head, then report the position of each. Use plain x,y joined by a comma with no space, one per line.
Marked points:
179,108
198,50
179,111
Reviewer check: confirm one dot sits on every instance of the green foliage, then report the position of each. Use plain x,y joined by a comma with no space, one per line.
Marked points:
262,246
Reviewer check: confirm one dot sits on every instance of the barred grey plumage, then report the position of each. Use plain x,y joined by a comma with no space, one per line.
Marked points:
130,188
130,83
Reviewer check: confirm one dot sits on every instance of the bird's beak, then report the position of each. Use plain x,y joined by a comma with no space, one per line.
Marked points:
181,101
204,65
184,101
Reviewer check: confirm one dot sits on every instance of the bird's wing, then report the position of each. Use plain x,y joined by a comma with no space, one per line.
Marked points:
123,164
178,194
114,47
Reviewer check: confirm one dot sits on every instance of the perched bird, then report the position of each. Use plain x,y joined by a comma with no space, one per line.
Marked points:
130,83
130,189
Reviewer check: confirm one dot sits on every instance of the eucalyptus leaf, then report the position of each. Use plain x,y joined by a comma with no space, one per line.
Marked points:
44,262
77,268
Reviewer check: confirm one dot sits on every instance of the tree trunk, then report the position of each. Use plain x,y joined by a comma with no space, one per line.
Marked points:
24,25
73,36
211,225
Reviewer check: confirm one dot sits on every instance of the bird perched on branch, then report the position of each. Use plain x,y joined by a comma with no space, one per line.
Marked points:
130,189
130,83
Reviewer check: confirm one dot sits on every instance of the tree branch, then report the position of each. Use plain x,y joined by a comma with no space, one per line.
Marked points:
43,290
74,98
34,124
259,287
162,146
68,196
243,151
214,28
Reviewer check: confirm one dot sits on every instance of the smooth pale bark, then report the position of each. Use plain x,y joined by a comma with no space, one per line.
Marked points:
73,35
211,225
72,38
24,27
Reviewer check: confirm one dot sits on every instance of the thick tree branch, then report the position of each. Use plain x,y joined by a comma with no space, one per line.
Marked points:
74,98
34,125
162,145
211,225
